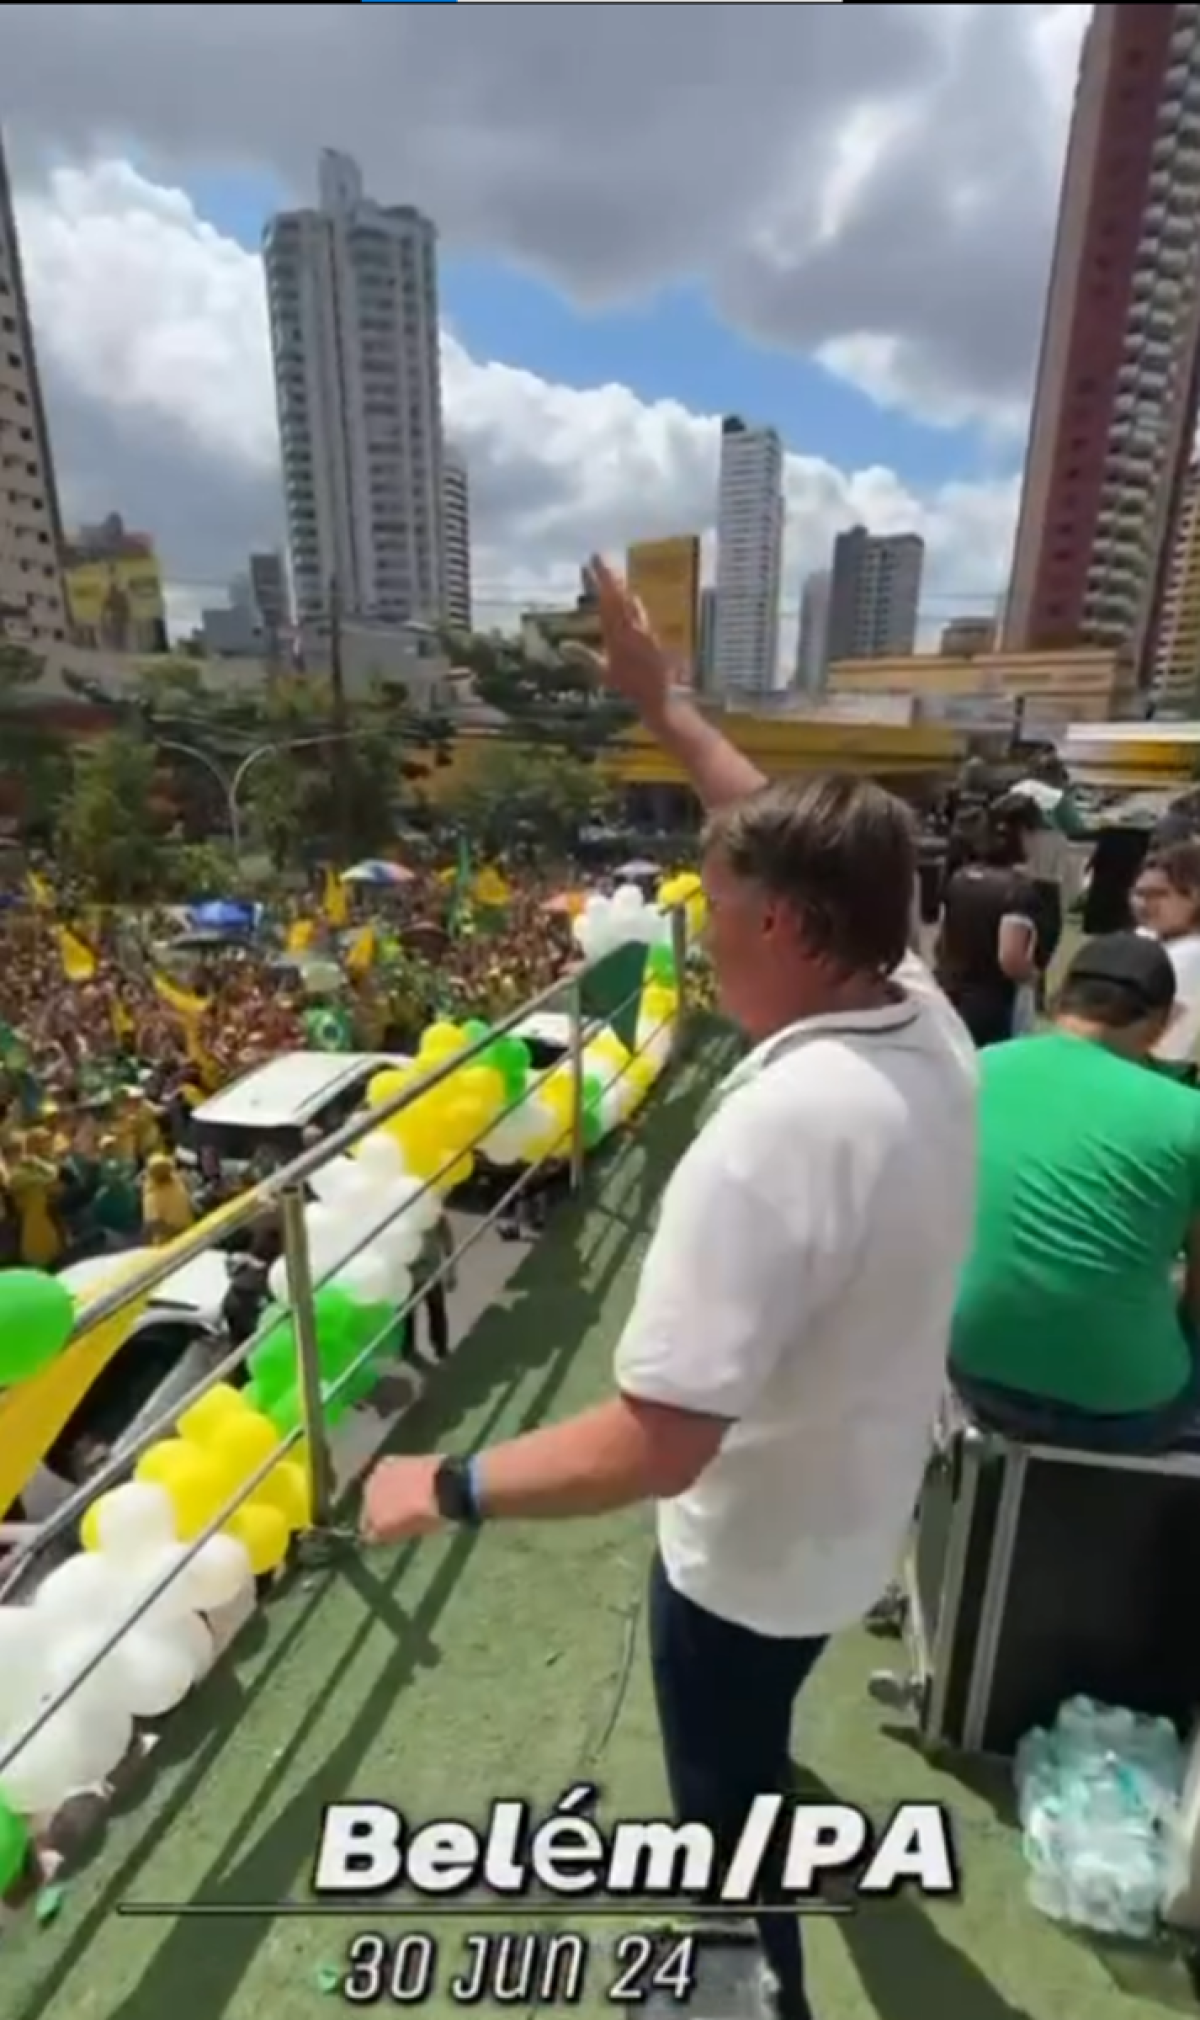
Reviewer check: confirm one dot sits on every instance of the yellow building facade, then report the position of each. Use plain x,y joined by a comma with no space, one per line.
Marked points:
1086,684
665,576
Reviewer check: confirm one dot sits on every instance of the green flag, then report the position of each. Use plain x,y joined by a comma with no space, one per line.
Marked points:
612,990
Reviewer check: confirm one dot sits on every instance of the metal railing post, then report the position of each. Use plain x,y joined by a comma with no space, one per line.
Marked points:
304,1318
578,1146
679,953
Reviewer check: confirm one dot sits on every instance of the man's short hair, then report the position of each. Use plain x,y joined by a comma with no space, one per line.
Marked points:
840,852
1118,980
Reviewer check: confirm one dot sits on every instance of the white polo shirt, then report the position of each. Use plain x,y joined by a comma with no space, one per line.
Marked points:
800,1283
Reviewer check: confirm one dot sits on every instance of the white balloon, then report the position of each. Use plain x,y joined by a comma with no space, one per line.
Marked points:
628,901
277,1282
401,1241
380,1157
535,1120
24,1646
140,1576
104,1738
597,906
504,1145
160,1666
85,1588
103,1688
134,1518
367,1279
218,1574
49,1766
333,1179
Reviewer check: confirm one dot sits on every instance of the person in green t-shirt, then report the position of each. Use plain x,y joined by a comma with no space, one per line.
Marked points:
1069,1327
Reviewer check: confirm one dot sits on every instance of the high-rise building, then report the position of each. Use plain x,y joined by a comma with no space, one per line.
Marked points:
1176,682
811,656
750,513
874,594
706,640
456,537
665,577
1115,403
967,637
115,596
32,604
353,296
269,588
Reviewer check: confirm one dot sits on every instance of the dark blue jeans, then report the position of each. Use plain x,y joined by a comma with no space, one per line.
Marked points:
1037,1420
725,1698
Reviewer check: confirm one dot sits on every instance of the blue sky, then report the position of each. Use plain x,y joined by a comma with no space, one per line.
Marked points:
670,346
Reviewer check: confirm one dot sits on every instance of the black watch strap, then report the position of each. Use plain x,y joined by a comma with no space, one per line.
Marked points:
454,1491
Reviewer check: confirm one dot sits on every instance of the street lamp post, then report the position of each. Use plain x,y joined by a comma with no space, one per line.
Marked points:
232,782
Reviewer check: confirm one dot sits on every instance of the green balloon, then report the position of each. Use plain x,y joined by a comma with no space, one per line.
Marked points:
593,1128
14,1846
660,966
272,1362
475,1030
37,1313
286,1412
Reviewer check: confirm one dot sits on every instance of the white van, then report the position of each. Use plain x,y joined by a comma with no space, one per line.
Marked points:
270,1107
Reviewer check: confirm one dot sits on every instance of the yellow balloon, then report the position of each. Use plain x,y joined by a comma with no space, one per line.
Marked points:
263,1532
199,1423
441,1041
482,1085
384,1087
241,1444
289,1490
89,1528
192,1477
460,1172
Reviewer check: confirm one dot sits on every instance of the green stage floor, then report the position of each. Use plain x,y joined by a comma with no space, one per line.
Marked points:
440,1676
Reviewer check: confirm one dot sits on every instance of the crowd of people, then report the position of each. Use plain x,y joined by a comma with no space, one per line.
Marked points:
107,1049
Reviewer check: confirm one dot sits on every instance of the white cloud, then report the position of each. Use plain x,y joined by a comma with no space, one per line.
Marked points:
876,185
152,333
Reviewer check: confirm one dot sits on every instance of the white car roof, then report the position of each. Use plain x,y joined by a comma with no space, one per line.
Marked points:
288,1092
198,1287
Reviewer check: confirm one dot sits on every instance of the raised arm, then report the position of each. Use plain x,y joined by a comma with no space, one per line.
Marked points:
635,666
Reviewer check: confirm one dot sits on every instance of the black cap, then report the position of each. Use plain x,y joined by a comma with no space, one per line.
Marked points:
1129,961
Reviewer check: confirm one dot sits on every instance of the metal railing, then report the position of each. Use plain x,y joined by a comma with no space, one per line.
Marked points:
286,1189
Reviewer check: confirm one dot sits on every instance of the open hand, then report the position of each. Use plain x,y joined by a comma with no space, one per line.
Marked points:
633,663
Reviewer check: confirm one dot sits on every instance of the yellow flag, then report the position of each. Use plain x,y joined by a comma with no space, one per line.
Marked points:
301,934
78,960
181,1001
361,956
40,892
335,904
490,888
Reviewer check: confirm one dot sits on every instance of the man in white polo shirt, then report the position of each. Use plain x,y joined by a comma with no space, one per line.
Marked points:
780,1369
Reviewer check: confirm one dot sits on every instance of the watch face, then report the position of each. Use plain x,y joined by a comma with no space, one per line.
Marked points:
451,1490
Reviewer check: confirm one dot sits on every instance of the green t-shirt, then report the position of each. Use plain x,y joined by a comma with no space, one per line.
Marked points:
1089,1180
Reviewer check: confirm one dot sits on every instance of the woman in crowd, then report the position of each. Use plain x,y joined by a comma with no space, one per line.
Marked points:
1166,903
986,953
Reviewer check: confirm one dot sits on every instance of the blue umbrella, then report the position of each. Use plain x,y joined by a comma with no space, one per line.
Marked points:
224,915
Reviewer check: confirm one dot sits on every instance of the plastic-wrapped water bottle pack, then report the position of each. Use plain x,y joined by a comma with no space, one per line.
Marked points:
1099,1800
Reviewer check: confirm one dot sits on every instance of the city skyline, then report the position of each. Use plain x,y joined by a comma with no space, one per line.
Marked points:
964,542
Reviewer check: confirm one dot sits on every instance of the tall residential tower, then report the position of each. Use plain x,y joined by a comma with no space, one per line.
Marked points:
750,514
1115,403
353,295
33,607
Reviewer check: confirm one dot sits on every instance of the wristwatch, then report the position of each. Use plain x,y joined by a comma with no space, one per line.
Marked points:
455,1493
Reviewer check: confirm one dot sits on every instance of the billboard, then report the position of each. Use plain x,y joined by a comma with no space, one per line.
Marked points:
116,602
665,574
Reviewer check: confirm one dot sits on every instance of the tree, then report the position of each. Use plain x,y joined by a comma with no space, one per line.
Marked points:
34,757
535,799
114,820
290,796
545,697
